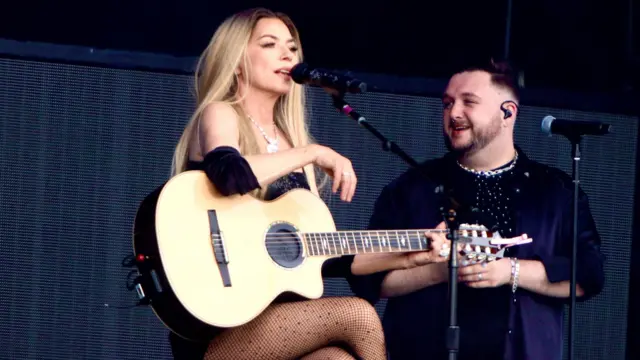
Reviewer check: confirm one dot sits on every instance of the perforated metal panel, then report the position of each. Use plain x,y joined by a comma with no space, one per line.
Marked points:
81,147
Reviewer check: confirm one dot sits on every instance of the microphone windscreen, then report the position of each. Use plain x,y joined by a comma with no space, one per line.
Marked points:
299,73
546,124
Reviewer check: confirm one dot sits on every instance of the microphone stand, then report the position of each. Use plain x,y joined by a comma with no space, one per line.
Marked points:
453,331
387,145
575,153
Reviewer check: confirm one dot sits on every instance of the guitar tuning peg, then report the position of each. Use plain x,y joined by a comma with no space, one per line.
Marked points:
471,255
481,256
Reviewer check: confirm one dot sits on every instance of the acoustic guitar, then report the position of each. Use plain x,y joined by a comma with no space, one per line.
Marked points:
206,260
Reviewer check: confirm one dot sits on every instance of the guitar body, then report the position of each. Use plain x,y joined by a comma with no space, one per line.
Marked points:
216,261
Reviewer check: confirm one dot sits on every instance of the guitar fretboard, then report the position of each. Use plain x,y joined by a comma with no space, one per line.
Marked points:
362,242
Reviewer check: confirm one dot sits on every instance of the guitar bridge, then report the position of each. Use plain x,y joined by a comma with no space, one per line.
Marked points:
219,250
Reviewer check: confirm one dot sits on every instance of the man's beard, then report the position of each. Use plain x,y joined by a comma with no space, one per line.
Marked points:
480,138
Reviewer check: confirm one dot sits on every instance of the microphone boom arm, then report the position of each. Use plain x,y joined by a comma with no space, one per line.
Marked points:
387,145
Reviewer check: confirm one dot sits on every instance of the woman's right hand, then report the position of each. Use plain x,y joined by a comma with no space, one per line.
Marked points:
439,252
339,168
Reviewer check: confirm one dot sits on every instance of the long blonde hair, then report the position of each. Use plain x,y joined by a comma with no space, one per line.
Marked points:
216,81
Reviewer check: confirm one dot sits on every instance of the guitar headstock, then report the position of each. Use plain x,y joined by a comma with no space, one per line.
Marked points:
479,244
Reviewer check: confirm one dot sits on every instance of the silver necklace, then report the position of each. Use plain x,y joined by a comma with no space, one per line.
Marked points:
491,172
272,144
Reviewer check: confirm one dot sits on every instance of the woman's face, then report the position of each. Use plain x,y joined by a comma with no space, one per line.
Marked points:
272,52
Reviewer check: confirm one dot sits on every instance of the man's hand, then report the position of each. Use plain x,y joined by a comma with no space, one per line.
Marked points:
492,274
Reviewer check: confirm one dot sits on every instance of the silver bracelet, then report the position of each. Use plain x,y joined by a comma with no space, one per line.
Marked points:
515,271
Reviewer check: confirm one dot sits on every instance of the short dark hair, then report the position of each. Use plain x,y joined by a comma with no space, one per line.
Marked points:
502,74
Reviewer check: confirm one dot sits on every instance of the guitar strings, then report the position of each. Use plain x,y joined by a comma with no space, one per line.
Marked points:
359,248
319,237
313,252
399,234
294,238
337,249
318,243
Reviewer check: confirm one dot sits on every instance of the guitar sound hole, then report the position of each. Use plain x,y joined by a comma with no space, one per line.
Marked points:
284,246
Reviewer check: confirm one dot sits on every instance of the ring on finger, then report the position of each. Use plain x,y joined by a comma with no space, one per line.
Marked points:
479,276
346,173
444,250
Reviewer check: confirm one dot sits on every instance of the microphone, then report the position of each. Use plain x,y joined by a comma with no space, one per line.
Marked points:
305,74
572,129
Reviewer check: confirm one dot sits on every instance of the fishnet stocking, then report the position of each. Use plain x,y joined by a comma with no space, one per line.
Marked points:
312,328
328,353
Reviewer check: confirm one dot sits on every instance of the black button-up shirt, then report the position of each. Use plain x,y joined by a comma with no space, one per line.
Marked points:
494,322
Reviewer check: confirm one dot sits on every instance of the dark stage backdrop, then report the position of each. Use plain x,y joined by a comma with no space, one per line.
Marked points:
81,146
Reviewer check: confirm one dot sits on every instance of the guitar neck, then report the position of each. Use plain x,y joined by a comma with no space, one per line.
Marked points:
366,242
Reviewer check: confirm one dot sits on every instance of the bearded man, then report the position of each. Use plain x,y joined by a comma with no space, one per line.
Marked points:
511,308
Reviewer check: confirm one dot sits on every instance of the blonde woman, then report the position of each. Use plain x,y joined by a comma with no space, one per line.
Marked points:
248,133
